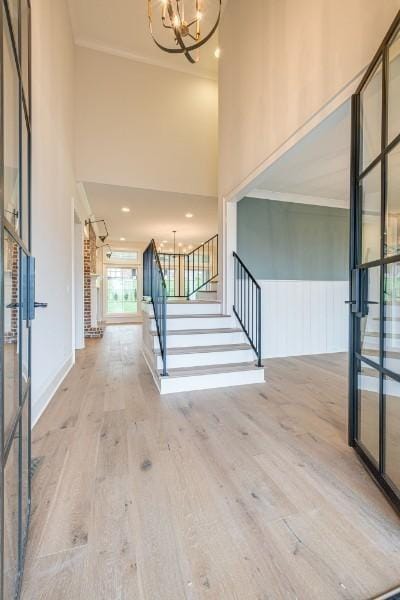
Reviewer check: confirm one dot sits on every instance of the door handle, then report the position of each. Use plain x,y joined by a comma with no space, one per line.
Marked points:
349,301
40,304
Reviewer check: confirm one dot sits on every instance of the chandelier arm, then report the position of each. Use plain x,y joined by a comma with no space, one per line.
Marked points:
182,48
185,50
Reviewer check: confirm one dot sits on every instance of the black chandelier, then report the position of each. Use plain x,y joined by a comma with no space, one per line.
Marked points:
184,23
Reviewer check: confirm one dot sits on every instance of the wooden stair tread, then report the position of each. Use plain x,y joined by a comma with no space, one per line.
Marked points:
375,352
388,334
211,370
184,301
194,316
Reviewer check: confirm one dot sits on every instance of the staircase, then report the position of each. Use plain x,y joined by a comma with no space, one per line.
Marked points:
194,346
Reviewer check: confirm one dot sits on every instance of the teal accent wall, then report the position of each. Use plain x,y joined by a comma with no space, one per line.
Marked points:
285,240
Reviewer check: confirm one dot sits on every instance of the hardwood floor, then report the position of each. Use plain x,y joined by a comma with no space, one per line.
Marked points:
246,493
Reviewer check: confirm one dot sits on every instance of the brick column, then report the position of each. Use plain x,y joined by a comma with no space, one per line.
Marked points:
89,267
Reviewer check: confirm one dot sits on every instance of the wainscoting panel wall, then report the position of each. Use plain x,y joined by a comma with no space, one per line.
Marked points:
303,317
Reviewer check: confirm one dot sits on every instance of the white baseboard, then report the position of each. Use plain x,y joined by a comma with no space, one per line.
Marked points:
49,389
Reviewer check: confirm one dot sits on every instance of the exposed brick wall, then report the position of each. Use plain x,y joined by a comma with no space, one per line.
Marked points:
11,336
89,267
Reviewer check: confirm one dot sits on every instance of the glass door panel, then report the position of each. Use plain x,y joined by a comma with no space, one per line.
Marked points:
11,333
15,396
11,133
392,427
392,220
371,118
25,476
374,415
368,410
11,529
122,291
370,321
392,318
394,88
25,208
370,194
25,49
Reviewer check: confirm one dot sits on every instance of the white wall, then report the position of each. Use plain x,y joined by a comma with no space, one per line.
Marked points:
282,62
53,189
143,126
78,307
303,317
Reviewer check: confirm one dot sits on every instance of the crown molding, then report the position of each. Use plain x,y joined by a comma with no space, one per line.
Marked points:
98,47
298,198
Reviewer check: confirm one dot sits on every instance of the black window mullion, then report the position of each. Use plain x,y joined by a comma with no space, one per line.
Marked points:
383,266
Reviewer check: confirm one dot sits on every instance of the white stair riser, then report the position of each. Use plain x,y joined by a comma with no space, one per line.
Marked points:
199,359
373,343
194,308
190,308
171,385
201,339
205,295
193,323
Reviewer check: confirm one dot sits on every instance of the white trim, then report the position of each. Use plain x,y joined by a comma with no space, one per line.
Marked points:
298,198
189,70
49,389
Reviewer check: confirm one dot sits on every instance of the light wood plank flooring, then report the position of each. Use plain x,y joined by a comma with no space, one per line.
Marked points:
246,493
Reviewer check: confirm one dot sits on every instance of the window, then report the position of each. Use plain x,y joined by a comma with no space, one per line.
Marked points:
122,290
124,255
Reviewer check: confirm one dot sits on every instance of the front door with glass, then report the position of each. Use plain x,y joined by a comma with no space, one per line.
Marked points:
374,415
16,277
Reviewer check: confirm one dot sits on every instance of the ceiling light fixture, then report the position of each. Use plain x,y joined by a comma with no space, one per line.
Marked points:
184,22
125,209
217,52
189,215
122,239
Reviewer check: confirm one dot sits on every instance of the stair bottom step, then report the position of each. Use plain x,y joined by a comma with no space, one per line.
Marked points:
203,378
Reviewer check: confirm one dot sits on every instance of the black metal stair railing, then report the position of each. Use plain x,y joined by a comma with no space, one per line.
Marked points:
247,304
186,274
154,287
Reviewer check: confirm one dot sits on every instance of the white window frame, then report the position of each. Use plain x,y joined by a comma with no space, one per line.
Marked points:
121,264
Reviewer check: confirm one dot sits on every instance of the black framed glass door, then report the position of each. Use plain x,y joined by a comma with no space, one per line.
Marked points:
374,399
16,289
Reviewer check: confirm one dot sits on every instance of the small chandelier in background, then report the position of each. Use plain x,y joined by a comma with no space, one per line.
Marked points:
185,24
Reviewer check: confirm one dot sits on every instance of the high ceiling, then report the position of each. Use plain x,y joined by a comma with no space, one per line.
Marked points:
317,167
121,27
153,214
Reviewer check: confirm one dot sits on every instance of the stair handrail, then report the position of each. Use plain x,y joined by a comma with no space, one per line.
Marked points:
183,268
212,243
247,304
155,288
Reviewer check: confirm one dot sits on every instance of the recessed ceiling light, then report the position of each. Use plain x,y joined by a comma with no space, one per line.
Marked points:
217,52
122,239
165,241
180,244
188,215
125,209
